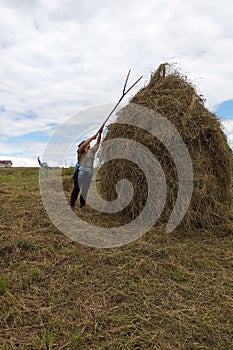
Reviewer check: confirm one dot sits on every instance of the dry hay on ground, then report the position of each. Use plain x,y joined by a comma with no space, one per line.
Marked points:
170,94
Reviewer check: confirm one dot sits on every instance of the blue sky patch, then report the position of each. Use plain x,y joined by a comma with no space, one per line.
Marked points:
33,136
225,110
13,154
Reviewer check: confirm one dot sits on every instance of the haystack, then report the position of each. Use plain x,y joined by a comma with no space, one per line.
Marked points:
171,94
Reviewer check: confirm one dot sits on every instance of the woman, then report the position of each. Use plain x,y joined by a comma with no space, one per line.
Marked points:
84,169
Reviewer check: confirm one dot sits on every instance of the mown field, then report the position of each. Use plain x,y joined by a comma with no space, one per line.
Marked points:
163,292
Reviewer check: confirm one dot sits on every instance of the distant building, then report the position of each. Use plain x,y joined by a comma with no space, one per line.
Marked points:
5,163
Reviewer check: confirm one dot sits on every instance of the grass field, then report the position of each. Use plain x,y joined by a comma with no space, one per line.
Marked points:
164,291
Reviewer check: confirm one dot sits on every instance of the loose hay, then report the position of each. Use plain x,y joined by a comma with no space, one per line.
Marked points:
161,292
174,97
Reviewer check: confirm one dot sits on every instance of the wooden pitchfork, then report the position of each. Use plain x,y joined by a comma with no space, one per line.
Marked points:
121,98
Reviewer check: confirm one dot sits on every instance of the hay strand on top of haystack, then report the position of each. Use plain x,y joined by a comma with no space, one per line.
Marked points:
175,98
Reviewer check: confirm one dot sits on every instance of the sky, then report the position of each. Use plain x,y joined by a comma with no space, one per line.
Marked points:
60,58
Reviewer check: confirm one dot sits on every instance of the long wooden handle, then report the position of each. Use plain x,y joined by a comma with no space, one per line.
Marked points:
121,98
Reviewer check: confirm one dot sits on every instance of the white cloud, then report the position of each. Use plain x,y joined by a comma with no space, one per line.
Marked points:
59,57
228,129
24,162
228,125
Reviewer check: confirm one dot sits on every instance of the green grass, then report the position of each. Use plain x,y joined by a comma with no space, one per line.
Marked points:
3,285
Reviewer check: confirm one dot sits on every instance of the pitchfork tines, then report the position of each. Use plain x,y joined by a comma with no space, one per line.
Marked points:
122,96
